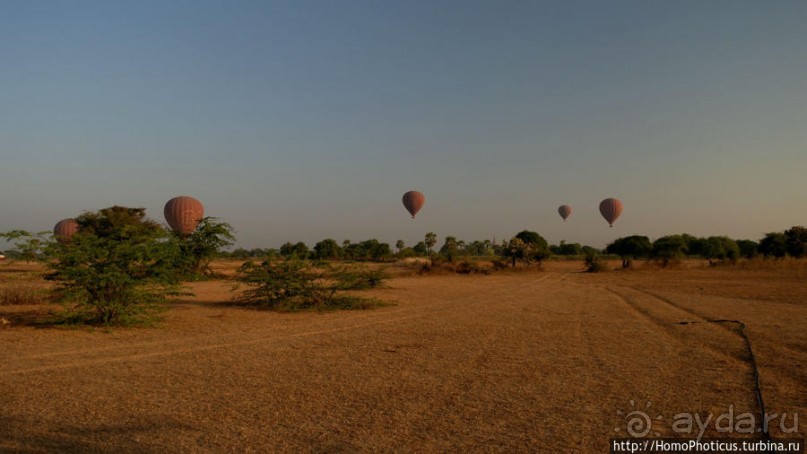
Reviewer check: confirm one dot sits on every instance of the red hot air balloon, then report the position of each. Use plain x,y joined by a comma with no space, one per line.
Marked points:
413,201
64,230
565,211
183,214
610,210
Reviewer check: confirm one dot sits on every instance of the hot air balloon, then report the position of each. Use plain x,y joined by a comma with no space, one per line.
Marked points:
565,211
413,201
64,230
611,209
183,214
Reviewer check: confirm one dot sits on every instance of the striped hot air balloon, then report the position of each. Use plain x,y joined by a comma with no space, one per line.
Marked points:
565,211
413,201
64,230
610,209
183,214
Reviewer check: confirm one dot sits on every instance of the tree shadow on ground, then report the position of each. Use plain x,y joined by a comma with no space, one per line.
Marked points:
17,435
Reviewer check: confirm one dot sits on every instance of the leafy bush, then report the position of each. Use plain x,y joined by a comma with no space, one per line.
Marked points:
194,252
471,267
295,285
117,269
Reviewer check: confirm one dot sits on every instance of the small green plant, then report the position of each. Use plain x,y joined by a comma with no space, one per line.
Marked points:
296,285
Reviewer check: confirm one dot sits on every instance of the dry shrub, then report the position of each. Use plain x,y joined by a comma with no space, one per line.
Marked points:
22,294
471,267
438,265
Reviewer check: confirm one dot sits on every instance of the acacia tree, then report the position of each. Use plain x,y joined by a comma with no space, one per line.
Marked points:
198,249
116,269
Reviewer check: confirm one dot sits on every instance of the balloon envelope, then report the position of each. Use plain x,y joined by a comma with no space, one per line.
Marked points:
183,214
565,211
64,230
611,209
413,201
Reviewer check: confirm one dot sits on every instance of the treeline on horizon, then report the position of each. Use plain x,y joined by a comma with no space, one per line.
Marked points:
791,242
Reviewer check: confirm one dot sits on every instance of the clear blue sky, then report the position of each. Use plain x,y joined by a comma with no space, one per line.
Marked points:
301,120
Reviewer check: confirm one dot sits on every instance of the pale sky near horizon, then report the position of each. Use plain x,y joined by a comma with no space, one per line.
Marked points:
304,120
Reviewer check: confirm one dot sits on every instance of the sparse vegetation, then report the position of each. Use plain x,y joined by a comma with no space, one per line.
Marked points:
595,263
296,285
22,294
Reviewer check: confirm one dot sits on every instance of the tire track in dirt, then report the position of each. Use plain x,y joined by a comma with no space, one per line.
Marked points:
722,325
795,376
247,338
705,318
672,325
728,325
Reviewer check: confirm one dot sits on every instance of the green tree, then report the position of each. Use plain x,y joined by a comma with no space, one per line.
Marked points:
375,250
668,249
451,248
517,250
298,250
240,253
327,249
565,248
774,244
630,248
588,250
537,243
117,269
399,245
430,241
421,249
796,241
198,249
748,248
716,248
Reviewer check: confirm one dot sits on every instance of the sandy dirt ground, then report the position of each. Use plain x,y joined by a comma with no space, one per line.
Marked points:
550,361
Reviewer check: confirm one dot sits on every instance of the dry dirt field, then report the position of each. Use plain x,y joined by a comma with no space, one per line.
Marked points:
512,362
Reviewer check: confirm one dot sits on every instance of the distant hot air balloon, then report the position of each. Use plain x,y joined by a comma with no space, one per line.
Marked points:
611,209
413,201
64,230
565,211
183,214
